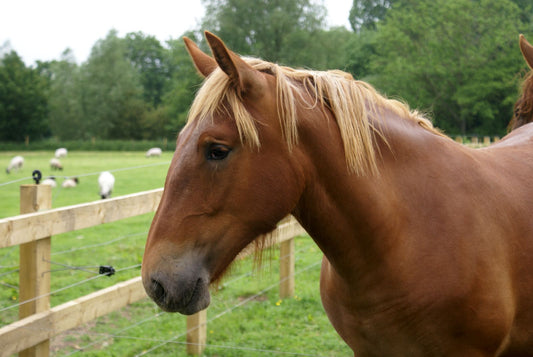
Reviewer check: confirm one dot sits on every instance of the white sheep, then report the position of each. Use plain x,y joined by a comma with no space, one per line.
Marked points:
55,164
70,182
16,163
61,152
106,181
51,181
154,152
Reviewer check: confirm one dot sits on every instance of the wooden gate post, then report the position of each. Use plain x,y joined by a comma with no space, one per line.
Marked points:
196,333
34,275
286,269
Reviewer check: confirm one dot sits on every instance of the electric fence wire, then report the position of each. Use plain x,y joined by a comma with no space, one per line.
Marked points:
92,173
15,181
157,315
9,272
84,268
148,319
66,287
107,336
97,245
60,189
123,169
227,347
241,303
15,268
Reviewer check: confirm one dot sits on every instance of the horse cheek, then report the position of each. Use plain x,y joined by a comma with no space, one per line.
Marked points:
278,194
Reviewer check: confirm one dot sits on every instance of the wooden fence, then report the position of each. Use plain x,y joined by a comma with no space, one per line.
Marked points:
33,231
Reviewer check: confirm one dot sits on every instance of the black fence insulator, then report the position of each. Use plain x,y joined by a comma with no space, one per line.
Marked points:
37,176
107,270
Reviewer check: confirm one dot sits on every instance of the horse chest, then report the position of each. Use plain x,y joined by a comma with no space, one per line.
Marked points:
390,332
401,330
400,321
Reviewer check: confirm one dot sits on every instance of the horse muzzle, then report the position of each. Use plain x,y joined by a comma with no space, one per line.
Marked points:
184,290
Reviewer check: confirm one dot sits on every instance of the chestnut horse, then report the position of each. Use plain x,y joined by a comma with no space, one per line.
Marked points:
523,108
428,244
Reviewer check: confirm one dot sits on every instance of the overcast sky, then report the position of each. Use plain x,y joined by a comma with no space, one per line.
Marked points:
43,29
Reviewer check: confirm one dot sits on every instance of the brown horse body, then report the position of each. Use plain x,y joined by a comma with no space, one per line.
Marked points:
428,250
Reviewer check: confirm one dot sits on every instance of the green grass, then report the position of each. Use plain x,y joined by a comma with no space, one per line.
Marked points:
265,324
79,164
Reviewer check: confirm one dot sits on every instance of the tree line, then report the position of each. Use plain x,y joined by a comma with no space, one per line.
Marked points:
457,60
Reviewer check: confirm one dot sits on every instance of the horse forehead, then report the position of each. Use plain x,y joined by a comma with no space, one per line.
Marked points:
184,137
195,132
221,125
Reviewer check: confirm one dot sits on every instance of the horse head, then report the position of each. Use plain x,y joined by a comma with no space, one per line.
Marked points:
231,179
523,108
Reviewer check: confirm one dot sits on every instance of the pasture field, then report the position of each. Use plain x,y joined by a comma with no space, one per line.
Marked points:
134,173
246,316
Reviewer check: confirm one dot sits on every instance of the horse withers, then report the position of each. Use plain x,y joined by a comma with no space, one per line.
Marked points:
428,244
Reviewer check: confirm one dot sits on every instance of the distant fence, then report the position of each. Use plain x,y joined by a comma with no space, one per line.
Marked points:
33,231
477,141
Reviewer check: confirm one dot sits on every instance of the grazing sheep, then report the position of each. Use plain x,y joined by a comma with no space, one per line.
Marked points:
61,152
51,181
71,182
106,181
15,164
55,164
154,152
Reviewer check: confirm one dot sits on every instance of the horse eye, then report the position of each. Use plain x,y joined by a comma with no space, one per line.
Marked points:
217,152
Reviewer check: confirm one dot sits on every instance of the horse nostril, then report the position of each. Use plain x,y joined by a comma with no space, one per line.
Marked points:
157,290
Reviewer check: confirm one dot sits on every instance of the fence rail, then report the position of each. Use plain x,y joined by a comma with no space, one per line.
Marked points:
30,227
32,231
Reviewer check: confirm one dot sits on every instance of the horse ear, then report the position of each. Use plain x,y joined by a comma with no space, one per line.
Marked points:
241,74
204,63
527,51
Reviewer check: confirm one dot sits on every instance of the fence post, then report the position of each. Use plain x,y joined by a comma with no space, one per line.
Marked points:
34,275
196,332
286,269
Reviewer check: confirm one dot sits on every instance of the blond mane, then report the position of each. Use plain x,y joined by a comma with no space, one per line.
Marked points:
352,102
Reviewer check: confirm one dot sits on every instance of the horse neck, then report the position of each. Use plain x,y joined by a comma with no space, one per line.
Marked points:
353,218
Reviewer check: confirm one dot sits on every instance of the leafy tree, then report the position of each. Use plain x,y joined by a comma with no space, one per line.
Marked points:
23,105
526,12
285,31
271,29
112,99
66,116
456,58
150,59
361,48
365,14
321,50
5,48
185,81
